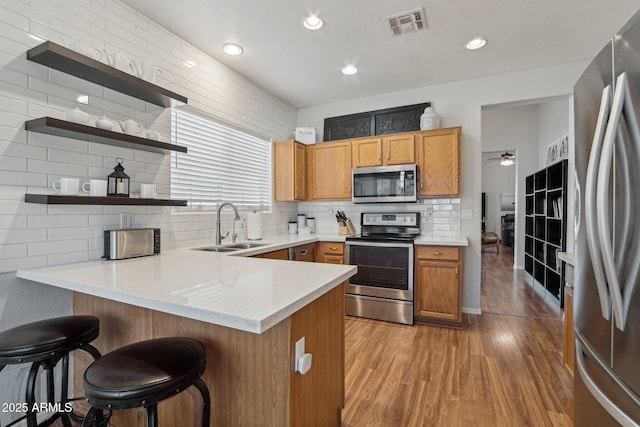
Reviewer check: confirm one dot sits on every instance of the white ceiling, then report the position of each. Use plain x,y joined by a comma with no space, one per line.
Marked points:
303,67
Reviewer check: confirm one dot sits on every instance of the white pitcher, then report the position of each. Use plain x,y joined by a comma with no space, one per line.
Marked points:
130,127
146,71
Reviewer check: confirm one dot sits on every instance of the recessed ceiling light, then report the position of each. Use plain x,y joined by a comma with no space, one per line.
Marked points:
349,70
189,63
232,49
476,43
83,99
312,22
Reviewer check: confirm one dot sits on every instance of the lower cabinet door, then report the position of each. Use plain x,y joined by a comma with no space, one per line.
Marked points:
437,292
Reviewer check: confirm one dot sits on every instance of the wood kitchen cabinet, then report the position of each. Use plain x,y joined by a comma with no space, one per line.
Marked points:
330,252
289,171
279,254
330,170
438,160
396,149
366,152
305,253
438,285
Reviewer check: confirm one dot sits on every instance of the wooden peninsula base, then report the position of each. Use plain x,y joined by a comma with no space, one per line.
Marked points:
251,376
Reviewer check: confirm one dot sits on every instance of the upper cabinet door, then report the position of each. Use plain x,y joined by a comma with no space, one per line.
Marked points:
438,162
366,152
289,170
398,149
331,171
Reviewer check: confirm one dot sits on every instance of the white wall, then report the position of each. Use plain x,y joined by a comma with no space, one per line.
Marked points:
515,127
460,104
553,124
33,235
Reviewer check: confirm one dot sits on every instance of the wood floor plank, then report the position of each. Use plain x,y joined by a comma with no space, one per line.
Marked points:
503,369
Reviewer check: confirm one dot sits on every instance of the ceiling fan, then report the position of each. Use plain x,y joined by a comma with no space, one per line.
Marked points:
506,159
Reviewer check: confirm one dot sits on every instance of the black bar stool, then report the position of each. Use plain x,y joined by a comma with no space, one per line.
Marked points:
143,374
45,343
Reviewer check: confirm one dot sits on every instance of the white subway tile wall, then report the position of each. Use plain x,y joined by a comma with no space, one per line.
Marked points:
33,235
438,217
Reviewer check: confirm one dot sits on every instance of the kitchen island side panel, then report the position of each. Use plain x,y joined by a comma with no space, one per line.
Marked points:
250,376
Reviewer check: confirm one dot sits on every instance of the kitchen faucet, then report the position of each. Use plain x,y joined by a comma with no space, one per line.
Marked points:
218,229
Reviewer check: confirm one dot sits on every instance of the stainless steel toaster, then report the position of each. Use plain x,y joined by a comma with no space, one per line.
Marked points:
130,243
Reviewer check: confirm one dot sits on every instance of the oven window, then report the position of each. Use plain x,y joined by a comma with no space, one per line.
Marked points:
380,267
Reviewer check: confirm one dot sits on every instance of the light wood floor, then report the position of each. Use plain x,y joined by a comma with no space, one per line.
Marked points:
503,369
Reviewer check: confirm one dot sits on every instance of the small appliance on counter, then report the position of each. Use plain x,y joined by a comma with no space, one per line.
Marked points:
131,243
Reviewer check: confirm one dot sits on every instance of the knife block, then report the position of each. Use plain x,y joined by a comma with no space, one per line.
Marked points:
347,229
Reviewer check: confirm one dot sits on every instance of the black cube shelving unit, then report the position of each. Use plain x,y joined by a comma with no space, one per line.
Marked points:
546,230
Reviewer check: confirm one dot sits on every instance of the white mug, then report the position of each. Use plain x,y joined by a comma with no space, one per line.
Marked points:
148,191
97,187
67,186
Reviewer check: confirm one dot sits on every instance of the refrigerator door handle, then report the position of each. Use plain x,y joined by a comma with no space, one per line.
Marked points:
590,204
617,413
621,99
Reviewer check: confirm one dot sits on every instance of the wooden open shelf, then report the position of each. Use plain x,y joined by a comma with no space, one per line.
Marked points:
58,127
68,61
52,199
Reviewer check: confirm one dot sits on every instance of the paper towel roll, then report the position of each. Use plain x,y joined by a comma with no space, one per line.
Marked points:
254,226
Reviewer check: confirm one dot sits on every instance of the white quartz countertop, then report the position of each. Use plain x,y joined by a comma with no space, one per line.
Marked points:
442,241
567,257
249,294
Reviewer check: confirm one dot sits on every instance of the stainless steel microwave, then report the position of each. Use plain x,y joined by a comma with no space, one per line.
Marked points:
385,184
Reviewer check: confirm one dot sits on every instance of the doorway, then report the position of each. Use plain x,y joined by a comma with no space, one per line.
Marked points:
499,195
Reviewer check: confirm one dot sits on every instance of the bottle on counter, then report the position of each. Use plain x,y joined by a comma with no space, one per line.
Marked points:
293,227
311,223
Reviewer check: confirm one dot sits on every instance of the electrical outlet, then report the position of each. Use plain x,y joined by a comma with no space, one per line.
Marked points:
125,220
466,213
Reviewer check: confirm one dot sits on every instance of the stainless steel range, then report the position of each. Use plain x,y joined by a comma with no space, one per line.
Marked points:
383,287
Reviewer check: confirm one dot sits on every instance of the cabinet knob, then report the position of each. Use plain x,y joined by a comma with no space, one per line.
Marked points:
333,248
437,253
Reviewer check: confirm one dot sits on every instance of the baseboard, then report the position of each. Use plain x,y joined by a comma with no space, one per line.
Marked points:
468,310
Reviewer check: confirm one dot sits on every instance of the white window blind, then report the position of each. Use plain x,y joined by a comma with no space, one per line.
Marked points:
222,164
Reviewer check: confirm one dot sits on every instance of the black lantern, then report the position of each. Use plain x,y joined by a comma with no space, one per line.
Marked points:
118,181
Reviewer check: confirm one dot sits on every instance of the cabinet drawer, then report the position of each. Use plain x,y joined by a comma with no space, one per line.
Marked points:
448,253
334,248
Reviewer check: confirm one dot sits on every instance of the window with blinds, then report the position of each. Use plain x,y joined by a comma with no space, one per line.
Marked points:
222,164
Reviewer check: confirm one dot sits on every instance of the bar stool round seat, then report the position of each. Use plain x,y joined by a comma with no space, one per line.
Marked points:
145,373
44,343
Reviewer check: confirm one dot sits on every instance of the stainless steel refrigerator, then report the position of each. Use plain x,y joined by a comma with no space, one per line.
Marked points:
607,220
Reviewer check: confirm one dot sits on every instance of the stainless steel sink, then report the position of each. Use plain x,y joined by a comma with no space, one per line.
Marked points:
216,249
245,245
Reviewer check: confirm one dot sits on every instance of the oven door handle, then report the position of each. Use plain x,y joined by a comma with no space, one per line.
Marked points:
379,244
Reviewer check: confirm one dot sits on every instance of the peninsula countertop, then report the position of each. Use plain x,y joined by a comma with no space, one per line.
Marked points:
249,294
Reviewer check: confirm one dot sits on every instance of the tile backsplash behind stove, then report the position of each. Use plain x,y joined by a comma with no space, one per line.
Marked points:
438,217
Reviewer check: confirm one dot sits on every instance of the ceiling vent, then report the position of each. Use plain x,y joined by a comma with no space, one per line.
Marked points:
407,22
